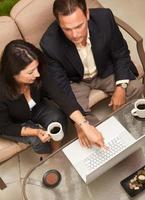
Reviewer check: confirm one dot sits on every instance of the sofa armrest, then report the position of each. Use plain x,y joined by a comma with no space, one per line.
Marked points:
136,37
9,148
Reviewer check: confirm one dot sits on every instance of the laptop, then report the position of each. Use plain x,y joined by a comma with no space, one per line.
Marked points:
91,163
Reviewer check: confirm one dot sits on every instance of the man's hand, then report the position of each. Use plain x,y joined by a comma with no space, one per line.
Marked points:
84,141
88,135
118,98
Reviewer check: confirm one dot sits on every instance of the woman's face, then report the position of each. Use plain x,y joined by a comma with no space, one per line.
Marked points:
29,74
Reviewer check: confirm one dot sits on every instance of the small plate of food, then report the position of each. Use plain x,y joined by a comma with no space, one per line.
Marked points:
134,183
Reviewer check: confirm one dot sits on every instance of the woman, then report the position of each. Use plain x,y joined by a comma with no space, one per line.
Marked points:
23,106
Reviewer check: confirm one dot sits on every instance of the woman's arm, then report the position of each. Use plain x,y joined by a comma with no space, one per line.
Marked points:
27,131
9,128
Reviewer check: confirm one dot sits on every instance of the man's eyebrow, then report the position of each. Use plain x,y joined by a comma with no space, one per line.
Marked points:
69,28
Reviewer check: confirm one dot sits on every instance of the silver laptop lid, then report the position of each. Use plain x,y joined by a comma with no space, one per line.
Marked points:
109,128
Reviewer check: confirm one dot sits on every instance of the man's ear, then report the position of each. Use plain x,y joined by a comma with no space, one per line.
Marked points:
88,14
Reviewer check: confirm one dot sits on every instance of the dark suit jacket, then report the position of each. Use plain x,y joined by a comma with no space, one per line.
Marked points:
109,49
14,113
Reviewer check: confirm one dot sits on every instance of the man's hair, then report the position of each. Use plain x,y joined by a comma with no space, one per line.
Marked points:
67,7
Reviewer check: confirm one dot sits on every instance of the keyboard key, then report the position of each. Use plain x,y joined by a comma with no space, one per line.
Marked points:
100,156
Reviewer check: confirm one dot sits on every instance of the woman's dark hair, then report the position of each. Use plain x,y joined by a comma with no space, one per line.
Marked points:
67,7
16,56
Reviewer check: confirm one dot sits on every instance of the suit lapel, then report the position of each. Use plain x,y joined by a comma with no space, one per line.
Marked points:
96,38
74,58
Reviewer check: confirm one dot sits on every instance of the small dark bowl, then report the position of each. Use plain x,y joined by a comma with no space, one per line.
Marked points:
51,178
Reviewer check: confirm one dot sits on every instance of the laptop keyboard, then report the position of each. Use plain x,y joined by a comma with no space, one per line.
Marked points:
100,156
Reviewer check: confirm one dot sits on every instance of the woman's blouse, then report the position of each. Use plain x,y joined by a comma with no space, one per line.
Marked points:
31,104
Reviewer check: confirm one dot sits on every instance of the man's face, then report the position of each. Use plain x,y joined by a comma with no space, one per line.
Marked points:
75,26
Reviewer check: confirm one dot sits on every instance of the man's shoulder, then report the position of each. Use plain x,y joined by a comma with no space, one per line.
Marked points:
52,38
51,30
100,13
53,26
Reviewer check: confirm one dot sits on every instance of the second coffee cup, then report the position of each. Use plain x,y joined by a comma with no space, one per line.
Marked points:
139,108
55,131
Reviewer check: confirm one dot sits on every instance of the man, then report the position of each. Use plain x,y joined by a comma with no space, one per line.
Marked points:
86,50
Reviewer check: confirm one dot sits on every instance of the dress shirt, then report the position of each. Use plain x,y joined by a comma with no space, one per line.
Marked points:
87,58
86,55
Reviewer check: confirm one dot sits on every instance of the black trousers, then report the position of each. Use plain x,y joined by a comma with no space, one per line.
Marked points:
47,112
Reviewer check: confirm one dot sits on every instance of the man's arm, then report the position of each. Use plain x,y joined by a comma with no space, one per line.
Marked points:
57,86
123,67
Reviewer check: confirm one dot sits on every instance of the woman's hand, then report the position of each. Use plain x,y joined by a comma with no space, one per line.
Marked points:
43,136
37,132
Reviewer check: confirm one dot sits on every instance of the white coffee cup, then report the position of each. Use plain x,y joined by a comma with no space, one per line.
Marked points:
139,108
55,131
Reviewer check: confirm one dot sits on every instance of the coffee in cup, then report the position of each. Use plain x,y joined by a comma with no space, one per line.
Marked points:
139,108
55,131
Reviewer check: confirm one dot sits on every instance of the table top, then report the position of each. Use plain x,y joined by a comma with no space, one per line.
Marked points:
72,186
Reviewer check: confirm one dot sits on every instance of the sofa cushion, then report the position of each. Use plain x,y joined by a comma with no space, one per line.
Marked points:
8,31
33,17
9,148
93,4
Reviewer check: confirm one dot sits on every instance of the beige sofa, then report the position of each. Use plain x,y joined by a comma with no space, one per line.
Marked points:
28,20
